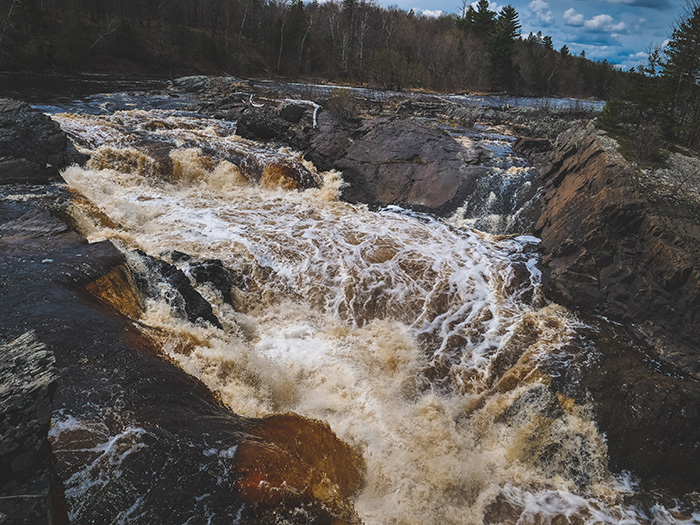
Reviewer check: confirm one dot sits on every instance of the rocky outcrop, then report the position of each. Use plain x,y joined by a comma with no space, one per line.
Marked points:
384,160
30,491
282,121
620,247
624,244
32,147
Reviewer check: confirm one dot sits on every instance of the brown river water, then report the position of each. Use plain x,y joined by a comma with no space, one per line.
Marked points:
426,345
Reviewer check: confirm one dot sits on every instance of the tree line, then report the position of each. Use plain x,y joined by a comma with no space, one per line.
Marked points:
661,108
350,40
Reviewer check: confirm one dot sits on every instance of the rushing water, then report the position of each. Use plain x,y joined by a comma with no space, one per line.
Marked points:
424,344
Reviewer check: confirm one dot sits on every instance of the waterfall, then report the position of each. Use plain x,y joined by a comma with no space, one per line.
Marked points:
426,345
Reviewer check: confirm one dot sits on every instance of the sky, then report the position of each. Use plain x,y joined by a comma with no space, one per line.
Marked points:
617,30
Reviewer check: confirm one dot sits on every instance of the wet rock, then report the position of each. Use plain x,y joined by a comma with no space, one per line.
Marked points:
331,140
289,464
615,246
404,162
213,272
287,176
384,160
192,84
261,124
30,492
179,292
32,146
648,411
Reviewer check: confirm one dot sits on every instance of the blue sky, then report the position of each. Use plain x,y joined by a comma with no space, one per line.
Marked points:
617,30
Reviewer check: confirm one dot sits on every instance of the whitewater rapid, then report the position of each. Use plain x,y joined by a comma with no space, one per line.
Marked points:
422,344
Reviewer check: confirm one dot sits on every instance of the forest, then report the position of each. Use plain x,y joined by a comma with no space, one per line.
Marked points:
353,41
659,110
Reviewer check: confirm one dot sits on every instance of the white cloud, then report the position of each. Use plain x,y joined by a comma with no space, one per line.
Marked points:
604,23
430,13
573,18
598,22
541,9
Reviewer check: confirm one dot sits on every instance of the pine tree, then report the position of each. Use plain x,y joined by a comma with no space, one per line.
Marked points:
501,48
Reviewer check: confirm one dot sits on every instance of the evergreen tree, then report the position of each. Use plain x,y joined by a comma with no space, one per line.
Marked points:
484,18
682,72
501,48
481,21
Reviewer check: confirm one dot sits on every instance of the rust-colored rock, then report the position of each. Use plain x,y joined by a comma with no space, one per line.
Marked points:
298,461
118,290
287,176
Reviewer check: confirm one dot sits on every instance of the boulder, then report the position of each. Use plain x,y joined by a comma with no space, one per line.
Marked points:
261,124
627,250
409,163
32,146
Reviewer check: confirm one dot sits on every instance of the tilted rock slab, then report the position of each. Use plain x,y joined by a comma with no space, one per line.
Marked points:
623,249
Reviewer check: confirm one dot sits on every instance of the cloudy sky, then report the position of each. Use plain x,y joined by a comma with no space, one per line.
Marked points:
617,30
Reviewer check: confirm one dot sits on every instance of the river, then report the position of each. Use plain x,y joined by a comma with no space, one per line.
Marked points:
425,344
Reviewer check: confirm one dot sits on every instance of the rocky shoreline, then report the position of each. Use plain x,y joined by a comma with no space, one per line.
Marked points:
616,242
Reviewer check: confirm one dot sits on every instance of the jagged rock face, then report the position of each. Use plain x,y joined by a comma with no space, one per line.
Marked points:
32,147
622,250
631,252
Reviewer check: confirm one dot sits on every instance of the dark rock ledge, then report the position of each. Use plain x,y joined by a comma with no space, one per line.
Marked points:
384,160
623,243
32,146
